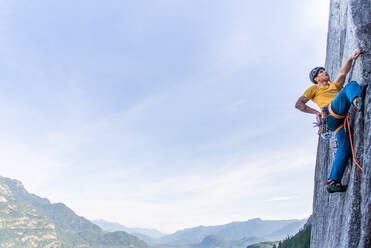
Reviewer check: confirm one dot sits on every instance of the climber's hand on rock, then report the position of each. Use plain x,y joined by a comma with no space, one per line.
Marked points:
356,53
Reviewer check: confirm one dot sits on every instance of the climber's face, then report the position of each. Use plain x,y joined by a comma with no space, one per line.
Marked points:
322,76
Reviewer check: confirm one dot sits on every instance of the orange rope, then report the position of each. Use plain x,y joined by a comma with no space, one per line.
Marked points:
346,123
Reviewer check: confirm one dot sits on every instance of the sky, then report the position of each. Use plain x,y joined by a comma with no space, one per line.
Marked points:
163,114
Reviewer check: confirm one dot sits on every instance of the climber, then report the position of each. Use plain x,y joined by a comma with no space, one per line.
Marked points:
334,101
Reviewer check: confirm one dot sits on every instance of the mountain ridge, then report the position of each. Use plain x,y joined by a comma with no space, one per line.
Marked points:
115,226
27,220
210,236
231,231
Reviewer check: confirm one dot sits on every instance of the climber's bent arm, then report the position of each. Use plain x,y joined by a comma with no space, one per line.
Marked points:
301,105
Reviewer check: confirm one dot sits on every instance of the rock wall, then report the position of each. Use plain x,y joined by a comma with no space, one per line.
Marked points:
344,219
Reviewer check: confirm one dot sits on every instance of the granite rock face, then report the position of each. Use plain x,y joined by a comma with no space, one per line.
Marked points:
343,220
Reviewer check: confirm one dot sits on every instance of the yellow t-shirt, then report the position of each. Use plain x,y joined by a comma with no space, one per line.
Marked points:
322,95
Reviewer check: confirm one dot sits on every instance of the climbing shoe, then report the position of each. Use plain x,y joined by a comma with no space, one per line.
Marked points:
358,106
335,186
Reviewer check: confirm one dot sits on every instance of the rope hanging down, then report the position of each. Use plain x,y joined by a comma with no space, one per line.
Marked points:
346,124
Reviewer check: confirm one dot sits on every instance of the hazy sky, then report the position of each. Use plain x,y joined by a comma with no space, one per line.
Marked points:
165,114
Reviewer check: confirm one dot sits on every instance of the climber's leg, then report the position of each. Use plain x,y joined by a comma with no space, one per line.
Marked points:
333,123
344,99
342,155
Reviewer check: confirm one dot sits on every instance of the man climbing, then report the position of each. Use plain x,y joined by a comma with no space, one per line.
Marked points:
334,101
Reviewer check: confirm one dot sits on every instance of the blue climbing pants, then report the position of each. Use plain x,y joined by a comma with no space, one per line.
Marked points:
340,106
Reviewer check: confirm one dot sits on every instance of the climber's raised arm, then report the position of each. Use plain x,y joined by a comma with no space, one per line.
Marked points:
340,79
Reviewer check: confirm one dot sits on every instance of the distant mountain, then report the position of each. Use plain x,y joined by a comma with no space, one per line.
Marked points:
114,226
27,220
247,241
235,231
285,231
299,240
212,241
145,238
268,244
